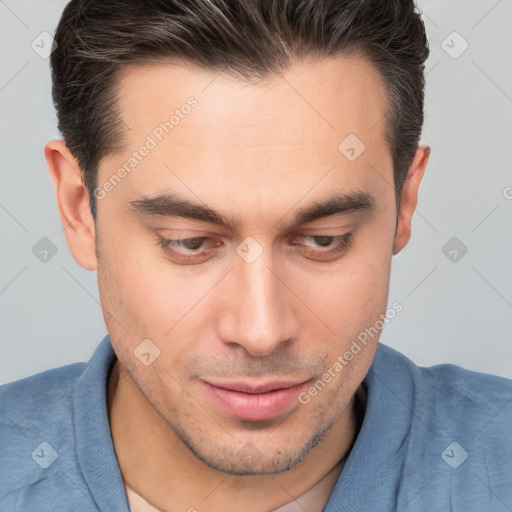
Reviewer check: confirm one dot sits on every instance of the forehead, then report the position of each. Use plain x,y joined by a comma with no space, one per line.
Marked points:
282,132
339,93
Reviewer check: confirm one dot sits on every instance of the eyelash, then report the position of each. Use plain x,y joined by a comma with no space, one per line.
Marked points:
342,244
166,244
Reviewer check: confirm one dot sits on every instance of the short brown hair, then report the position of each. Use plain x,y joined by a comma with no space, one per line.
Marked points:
248,39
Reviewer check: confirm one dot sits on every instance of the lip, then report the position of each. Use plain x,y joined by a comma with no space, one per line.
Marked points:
254,401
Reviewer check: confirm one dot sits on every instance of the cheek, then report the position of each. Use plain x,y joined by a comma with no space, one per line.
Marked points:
351,302
353,294
154,300
140,303
135,278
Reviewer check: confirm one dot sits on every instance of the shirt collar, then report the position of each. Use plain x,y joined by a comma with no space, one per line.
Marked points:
94,447
375,457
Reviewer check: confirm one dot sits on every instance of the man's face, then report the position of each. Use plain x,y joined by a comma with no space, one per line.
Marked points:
270,298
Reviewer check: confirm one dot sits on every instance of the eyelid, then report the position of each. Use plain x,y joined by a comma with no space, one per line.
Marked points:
197,233
333,231
174,234
326,228
342,237
181,238
342,243
185,257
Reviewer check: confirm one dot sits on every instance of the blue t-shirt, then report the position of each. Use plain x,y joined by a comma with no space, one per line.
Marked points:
432,439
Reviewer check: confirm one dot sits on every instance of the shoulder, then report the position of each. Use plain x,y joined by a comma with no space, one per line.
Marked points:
36,427
450,395
39,397
450,379
458,432
466,389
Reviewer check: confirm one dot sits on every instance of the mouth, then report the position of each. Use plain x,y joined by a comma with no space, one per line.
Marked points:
253,401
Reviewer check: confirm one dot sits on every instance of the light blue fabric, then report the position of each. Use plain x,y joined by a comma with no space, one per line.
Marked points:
56,453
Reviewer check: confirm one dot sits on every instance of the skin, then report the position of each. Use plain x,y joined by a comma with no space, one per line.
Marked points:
256,154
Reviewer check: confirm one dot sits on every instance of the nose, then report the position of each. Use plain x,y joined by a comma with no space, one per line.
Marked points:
258,310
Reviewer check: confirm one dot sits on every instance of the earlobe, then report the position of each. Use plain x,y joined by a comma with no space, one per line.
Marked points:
73,202
409,197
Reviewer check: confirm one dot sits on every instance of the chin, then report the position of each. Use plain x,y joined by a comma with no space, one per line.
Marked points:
258,461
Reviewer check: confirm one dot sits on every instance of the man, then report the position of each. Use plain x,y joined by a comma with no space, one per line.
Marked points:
240,174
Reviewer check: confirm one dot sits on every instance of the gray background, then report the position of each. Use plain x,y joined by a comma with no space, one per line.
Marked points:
456,307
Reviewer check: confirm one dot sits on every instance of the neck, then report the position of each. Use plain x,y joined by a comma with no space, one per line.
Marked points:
157,465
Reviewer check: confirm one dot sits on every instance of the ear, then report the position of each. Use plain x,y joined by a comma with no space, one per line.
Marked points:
410,197
73,202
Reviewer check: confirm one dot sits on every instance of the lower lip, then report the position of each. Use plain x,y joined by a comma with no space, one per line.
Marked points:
257,406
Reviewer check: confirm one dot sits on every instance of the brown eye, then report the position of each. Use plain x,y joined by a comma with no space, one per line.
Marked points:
193,250
193,243
183,244
323,247
323,241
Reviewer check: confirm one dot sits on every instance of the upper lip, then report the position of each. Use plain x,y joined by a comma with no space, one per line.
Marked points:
254,387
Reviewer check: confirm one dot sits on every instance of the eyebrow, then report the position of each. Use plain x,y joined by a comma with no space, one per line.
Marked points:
172,205
345,203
